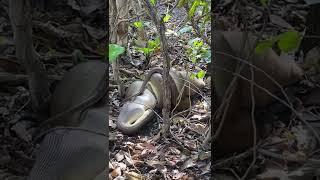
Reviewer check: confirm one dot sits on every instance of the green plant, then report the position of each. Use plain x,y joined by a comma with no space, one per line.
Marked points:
200,6
153,2
199,15
198,53
200,74
286,42
115,51
166,18
138,24
152,45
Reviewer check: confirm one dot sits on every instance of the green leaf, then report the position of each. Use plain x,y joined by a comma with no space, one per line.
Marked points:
158,40
190,42
193,59
166,18
181,3
151,44
289,41
193,8
207,18
192,76
153,2
195,5
115,51
138,24
197,43
263,46
145,51
201,74
154,44
205,7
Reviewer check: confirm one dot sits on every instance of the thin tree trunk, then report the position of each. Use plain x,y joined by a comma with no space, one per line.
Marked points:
122,20
118,35
21,21
166,67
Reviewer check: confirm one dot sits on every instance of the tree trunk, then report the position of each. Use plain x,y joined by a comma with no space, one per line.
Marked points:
21,20
166,67
119,11
122,20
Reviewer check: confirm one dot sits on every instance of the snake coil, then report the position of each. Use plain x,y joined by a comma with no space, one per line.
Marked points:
139,110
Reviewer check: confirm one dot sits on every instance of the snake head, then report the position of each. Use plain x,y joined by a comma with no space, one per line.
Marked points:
132,117
134,114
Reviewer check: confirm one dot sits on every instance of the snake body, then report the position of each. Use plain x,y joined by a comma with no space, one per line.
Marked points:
139,110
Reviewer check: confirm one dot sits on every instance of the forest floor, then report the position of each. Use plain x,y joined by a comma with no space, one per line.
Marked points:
180,156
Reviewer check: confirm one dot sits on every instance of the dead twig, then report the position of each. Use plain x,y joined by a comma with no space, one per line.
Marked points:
227,162
288,158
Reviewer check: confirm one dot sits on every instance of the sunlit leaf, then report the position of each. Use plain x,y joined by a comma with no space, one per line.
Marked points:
151,44
197,43
193,8
115,51
166,18
145,51
153,2
201,74
138,24
190,42
154,44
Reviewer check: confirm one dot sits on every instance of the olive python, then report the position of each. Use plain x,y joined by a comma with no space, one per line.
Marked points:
140,108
